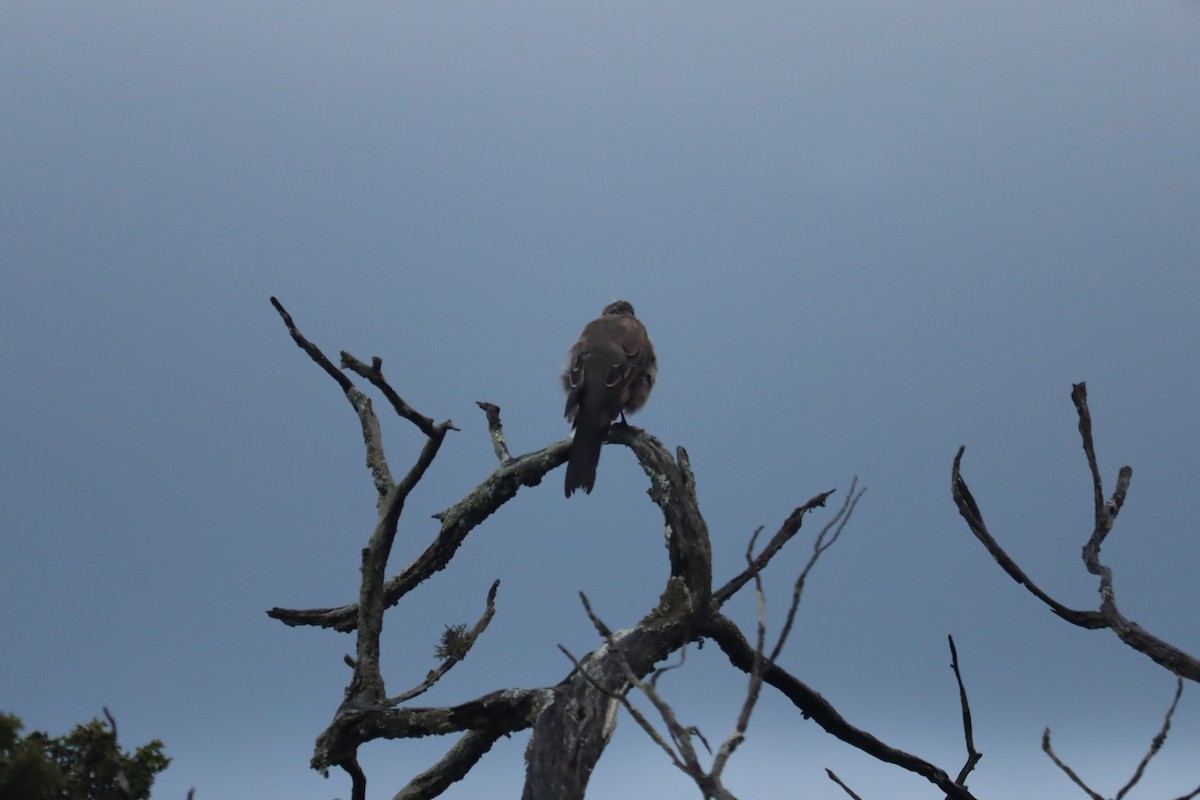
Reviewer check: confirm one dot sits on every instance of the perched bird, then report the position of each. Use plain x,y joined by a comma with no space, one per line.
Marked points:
610,370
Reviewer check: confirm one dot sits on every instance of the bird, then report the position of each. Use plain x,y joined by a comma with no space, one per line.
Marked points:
610,371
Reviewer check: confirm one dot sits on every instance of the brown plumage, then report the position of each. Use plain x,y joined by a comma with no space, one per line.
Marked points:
610,371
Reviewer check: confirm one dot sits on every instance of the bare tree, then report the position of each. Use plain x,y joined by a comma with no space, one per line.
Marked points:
571,721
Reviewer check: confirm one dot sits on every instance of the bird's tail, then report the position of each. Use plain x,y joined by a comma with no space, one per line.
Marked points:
585,456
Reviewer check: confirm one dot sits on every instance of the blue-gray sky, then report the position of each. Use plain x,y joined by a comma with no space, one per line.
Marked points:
861,234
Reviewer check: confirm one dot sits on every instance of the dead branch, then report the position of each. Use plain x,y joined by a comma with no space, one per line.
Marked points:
825,539
1109,616
457,522
973,755
1156,744
111,721
313,351
496,430
789,528
355,723
1069,772
969,511
374,374
453,766
813,706
833,777
754,688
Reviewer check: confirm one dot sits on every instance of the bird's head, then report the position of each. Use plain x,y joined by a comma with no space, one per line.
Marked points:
619,308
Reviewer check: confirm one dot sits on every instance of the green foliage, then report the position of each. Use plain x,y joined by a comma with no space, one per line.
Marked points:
86,764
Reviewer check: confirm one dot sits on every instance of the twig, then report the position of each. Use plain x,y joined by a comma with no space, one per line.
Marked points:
786,531
659,672
1156,744
372,435
823,542
496,431
973,755
313,351
111,722
754,689
833,777
374,374
1069,772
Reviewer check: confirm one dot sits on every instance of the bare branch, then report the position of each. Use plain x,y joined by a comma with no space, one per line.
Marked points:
754,689
457,522
786,531
833,777
507,711
372,601
372,435
358,778
660,671
820,545
112,722
825,539
1109,616
813,706
453,766
313,351
1069,772
671,490
374,374
1156,744
969,511
496,431
973,755
1079,397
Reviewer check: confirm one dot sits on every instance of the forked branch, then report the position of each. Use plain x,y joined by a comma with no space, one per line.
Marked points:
1108,616
1155,745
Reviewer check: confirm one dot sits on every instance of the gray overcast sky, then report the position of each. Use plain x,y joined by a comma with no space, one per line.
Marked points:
861,234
